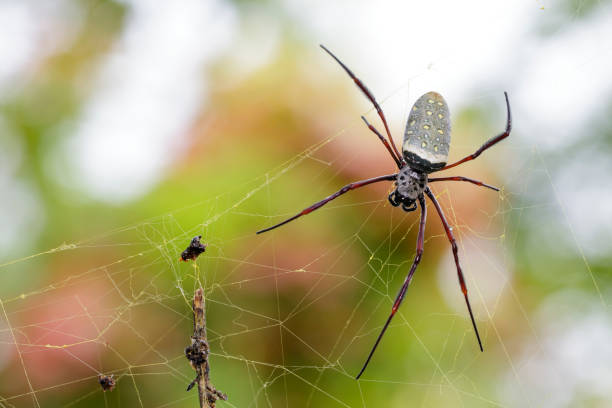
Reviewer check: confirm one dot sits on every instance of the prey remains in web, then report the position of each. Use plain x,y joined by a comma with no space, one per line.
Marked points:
195,249
424,151
107,382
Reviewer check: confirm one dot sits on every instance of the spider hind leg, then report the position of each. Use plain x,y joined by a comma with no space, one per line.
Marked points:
402,292
453,242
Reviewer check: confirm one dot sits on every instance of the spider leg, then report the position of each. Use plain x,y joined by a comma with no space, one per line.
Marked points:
383,140
404,288
370,96
345,189
460,178
451,238
489,142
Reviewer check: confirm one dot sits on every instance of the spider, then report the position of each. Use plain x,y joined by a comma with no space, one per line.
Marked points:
425,151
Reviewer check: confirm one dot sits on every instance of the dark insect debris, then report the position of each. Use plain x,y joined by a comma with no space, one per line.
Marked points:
107,382
194,249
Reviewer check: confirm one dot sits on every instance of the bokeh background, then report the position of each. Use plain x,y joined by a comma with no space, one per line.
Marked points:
128,127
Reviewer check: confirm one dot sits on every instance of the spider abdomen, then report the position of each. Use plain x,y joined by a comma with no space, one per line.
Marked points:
427,135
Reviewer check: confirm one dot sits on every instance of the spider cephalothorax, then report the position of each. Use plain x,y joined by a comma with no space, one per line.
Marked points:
424,151
410,184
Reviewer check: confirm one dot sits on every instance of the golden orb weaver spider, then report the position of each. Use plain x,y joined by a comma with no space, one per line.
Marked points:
425,151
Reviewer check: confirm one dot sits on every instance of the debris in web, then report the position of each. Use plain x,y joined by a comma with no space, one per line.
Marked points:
194,249
107,382
197,354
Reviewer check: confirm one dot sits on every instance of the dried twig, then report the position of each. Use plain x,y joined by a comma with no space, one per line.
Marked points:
197,354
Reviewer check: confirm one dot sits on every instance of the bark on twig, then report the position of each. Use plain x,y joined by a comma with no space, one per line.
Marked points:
197,354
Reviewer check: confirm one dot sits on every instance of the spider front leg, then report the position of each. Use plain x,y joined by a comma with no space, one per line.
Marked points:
489,142
404,288
451,238
345,189
370,96
384,142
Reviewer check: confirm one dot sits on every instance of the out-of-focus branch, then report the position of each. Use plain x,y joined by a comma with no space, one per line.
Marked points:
197,354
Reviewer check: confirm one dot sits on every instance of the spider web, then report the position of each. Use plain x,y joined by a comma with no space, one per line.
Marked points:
253,299
292,327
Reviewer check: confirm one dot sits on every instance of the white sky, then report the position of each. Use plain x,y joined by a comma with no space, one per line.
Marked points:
571,358
149,91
